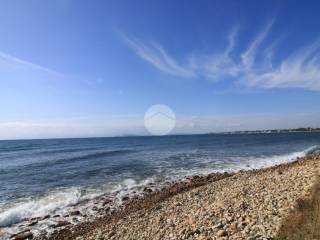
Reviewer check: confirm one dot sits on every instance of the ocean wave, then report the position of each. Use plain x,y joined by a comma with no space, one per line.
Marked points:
248,163
80,157
59,200
313,150
100,154
69,149
40,207
234,164
130,186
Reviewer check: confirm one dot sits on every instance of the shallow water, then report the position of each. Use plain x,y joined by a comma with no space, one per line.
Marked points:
40,177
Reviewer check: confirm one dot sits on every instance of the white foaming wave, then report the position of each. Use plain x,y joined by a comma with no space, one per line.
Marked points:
264,162
128,185
245,163
39,207
313,150
61,199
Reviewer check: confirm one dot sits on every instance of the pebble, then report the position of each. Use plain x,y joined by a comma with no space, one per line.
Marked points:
222,233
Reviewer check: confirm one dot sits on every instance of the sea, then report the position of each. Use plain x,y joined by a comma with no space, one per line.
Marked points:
46,177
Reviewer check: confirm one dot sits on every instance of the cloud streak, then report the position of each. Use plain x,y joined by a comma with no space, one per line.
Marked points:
254,67
14,61
154,54
299,70
249,56
221,65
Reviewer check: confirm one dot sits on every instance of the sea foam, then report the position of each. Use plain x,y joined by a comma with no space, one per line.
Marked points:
39,207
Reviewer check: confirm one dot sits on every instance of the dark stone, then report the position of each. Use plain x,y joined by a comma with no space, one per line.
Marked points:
158,207
22,236
106,202
61,224
32,223
196,177
75,213
125,198
147,190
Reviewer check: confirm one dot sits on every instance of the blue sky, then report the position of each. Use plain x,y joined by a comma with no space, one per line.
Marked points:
92,68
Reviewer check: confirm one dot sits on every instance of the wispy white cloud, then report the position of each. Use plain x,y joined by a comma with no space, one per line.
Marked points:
254,67
248,57
14,61
16,69
220,65
231,40
158,57
299,70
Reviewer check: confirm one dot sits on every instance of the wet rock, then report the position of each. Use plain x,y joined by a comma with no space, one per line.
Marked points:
45,217
22,236
218,226
126,198
74,213
32,223
106,202
61,224
111,234
158,207
147,190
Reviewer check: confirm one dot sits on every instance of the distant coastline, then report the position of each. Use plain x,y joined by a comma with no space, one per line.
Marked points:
289,130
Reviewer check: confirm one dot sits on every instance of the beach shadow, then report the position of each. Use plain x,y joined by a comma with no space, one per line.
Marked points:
303,223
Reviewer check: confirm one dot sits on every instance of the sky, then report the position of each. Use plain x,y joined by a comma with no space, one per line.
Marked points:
75,68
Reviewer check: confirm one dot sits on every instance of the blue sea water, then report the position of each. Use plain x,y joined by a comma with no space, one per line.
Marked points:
39,177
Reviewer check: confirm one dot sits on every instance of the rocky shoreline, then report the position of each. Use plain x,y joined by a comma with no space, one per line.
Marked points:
244,205
105,208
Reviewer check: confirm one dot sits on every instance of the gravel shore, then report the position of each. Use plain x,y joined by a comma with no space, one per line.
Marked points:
244,205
